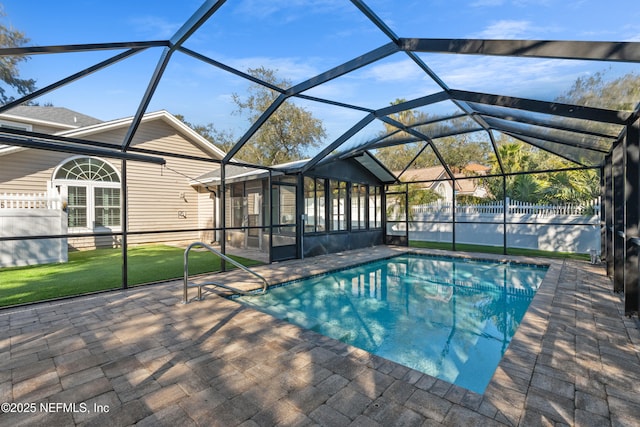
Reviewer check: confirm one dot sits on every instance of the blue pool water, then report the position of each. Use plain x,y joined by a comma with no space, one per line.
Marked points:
447,317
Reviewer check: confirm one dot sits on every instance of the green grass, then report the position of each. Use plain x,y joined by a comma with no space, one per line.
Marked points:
498,250
101,269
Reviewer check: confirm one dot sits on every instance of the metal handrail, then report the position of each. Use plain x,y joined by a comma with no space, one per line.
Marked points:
265,284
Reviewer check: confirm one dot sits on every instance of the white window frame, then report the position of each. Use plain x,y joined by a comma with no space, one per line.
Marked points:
64,184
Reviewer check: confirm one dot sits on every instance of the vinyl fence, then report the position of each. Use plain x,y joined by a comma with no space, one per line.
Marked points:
32,215
559,228
513,207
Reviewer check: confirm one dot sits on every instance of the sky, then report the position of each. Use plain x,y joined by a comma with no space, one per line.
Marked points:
300,39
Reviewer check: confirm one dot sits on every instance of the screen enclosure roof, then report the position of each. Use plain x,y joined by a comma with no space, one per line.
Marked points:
374,74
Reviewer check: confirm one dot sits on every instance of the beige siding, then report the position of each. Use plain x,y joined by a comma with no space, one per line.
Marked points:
47,129
206,214
28,171
38,127
156,193
160,198
88,243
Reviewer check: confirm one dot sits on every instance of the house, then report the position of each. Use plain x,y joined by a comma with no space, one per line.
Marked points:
436,179
279,210
159,198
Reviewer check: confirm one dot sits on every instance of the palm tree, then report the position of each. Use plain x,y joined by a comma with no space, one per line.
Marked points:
525,188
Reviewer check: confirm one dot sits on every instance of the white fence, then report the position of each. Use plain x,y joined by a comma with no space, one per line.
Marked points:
24,215
513,207
30,201
558,228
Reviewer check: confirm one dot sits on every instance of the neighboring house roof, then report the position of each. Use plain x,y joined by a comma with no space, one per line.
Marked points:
59,117
466,186
98,127
477,168
436,174
423,174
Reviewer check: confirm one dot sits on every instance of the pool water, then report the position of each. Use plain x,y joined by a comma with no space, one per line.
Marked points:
451,318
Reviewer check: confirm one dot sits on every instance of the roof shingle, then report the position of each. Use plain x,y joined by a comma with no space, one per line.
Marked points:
59,115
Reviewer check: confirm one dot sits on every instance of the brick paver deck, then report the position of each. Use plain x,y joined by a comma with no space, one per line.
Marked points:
141,357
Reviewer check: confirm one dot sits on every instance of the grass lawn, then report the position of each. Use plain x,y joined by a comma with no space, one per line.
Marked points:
498,250
101,269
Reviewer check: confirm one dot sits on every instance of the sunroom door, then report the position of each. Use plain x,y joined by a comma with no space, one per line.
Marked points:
397,220
284,237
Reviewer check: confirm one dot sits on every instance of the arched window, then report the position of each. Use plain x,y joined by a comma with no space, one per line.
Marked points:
92,188
88,169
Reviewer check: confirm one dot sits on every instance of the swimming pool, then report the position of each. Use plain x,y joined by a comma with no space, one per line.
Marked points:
451,318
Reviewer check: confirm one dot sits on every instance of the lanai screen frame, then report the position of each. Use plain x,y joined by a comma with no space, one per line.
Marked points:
619,165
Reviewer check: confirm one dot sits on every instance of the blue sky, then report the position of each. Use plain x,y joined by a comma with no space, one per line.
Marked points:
301,39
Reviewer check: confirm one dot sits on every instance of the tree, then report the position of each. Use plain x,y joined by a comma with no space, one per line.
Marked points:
621,93
458,151
397,157
572,187
222,139
517,156
9,73
287,135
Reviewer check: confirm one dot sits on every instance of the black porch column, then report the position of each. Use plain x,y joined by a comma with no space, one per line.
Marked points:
606,206
631,218
618,217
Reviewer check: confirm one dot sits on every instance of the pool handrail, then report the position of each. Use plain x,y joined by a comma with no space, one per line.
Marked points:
185,300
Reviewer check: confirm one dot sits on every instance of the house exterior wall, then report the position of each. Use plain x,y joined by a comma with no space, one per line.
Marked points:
207,214
159,198
32,127
40,128
28,171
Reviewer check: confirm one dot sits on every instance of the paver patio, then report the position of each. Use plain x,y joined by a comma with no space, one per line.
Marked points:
150,360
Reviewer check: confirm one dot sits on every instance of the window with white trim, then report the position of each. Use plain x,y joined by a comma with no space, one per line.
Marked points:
92,187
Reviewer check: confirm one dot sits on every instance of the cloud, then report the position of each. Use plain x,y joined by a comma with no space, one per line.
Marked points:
633,32
395,71
522,77
335,89
289,10
521,3
534,3
291,68
487,3
506,29
155,27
